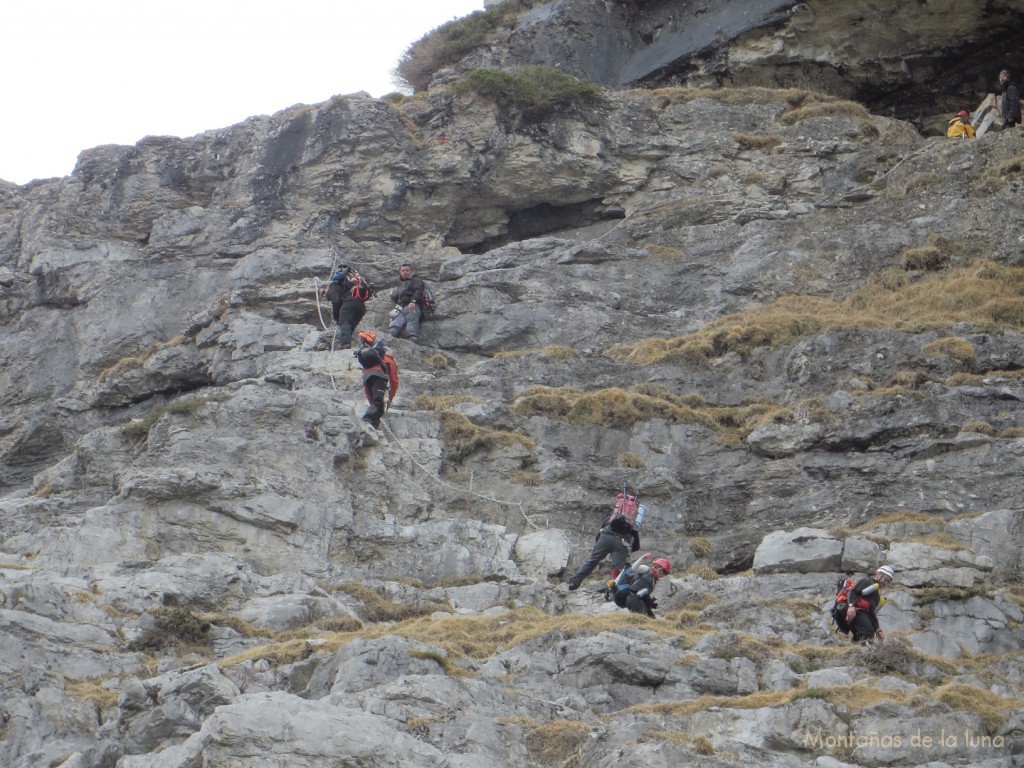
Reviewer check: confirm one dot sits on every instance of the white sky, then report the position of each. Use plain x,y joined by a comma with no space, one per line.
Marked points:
80,73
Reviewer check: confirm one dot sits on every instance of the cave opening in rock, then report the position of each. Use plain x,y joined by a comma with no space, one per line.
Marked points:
547,219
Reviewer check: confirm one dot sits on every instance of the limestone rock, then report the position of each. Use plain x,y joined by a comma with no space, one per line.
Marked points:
806,550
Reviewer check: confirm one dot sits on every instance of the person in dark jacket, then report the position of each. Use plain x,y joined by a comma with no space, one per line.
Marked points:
634,588
408,298
617,537
348,294
862,606
1009,102
380,376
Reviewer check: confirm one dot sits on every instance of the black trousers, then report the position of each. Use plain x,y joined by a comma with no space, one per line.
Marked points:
347,312
863,626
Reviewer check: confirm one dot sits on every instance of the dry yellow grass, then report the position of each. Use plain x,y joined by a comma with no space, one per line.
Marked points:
701,547
664,252
550,352
922,180
700,745
954,347
834,108
743,96
439,362
92,690
965,379
941,539
240,626
630,460
122,366
462,437
925,257
992,708
939,252
466,637
756,142
705,572
132,362
557,741
899,516
441,402
375,608
981,427
853,697
985,295
1005,171
622,408
527,477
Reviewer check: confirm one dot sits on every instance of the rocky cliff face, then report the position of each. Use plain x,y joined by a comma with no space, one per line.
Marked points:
915,61
794,324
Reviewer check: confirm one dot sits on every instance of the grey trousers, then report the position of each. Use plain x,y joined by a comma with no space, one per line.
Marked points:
406,323
608,545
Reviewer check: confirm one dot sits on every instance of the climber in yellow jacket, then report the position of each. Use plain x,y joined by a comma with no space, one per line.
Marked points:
960,126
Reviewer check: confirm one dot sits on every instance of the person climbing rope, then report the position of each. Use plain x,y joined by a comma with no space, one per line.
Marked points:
380,375
348,292
617,537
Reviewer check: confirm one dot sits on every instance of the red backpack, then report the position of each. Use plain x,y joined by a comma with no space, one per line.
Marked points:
628,513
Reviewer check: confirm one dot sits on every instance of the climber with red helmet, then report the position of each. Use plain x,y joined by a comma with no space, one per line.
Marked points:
618,536
960,126
633,588
380,375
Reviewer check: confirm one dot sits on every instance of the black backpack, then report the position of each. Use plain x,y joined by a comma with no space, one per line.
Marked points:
429,301
840,604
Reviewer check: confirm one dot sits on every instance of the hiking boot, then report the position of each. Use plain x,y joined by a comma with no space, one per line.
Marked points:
573,586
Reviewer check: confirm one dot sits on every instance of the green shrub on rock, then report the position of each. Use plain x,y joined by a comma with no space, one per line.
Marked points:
535,88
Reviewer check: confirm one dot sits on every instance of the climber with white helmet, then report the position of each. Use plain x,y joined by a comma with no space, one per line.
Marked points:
863,602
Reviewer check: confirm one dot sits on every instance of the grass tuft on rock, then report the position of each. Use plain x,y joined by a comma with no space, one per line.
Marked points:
451,42
174,629
984,295
534,89
555,742
618,408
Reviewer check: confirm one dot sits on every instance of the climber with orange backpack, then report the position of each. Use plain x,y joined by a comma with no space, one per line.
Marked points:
617,537
348,292
380,375
855,610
